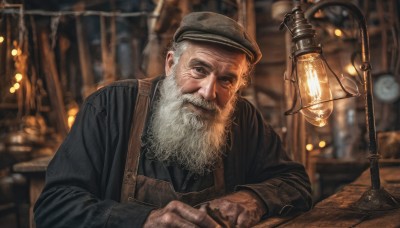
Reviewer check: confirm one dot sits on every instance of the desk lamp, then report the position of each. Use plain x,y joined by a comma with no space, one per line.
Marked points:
313,97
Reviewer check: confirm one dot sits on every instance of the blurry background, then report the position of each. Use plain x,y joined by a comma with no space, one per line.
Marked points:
54,53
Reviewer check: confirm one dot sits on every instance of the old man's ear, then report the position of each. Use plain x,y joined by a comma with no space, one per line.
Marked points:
169,62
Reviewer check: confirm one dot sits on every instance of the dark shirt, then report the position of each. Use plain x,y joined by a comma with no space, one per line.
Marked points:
83,180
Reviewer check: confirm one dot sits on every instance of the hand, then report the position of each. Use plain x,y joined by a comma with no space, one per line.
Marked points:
178,214
240,209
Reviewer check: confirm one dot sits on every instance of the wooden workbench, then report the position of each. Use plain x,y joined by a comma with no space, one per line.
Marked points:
335,211
34,171
332,212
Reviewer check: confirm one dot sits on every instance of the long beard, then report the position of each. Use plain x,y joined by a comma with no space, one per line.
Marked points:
180,136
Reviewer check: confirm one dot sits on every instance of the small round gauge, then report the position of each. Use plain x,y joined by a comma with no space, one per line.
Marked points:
386,88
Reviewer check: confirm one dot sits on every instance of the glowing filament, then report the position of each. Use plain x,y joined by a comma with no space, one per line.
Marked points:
314,89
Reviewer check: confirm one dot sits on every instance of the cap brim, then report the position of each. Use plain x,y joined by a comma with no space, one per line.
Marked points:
213,38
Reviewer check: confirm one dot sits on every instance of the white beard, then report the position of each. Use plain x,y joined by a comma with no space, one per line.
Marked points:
186,138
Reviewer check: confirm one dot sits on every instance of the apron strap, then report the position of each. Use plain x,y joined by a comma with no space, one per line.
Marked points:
219,179
134,145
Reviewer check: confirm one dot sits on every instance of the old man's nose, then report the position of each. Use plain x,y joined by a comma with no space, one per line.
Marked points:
208,89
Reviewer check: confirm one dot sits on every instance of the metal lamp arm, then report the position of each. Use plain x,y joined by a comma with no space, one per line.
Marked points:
366,68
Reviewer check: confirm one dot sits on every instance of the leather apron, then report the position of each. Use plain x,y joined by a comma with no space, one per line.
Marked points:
150,191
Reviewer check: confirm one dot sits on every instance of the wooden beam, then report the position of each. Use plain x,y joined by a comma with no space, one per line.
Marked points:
53,84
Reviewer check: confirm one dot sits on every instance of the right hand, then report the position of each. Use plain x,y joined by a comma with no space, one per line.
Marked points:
178,214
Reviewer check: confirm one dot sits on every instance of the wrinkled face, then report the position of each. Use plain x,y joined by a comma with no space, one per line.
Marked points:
209,72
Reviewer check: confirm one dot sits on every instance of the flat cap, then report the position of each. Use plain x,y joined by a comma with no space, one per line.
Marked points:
220,29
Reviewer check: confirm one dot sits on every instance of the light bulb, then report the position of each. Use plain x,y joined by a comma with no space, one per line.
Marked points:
314,89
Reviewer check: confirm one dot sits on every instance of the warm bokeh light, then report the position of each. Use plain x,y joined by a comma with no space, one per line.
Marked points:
1,39
71,115
18,77
12,90
351,70
73,111
338,32
309,147
14,52
17,85
322,144
71,120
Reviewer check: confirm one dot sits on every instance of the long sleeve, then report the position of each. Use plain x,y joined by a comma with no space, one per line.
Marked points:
83,180
281,183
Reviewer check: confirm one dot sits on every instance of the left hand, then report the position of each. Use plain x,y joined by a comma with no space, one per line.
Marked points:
241,209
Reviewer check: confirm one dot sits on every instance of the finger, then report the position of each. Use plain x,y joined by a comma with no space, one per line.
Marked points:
203,208
245,220
174,220
227,211
165,218
198,217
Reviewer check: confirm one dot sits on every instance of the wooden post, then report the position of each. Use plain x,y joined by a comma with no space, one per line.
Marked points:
88,86
53,84
108,51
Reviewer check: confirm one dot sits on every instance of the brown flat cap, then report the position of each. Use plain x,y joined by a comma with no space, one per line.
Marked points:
220,29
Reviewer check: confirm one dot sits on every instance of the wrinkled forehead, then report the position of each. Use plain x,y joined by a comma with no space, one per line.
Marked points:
220,53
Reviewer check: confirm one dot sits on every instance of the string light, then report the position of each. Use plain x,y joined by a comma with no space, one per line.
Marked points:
1,39
17,85
20,65
322,144
18,77
12,90
14,52
309,147
338,32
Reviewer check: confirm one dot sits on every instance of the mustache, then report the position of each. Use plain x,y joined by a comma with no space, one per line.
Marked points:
197,101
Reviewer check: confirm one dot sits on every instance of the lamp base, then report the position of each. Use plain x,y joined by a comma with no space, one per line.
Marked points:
376,200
